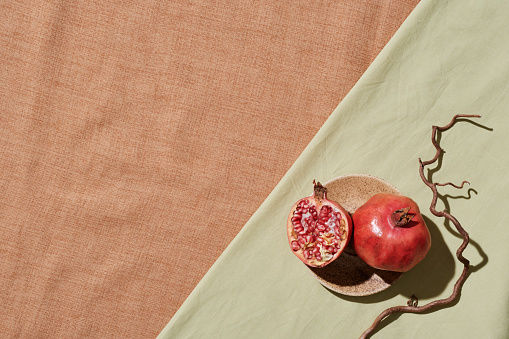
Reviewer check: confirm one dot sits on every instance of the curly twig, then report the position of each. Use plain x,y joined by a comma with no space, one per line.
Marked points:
412,303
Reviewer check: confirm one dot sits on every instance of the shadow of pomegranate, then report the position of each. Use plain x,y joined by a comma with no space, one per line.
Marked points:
350,275
426,280
432,275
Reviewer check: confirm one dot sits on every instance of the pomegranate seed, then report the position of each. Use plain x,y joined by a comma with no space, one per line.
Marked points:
314,228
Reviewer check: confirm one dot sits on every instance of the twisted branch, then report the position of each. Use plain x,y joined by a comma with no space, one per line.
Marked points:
412,303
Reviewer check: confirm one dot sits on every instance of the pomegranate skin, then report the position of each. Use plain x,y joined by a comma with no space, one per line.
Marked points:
381,242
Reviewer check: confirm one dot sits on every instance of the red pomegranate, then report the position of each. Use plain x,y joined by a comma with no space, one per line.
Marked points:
390,233
318,229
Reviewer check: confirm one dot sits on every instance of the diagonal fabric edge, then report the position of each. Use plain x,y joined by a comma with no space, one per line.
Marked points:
393,44
446,58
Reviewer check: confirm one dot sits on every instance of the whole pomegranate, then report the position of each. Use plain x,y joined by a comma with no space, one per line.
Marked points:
318,229
389,233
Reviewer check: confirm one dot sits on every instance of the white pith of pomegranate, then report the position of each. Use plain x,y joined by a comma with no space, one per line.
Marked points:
318,229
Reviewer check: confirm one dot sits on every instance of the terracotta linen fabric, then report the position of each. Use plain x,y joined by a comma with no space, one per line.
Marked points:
137,138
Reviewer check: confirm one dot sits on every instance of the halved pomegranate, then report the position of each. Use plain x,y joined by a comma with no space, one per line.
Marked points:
318,229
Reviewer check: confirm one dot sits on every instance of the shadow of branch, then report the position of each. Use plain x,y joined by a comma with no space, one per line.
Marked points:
445,200
474,123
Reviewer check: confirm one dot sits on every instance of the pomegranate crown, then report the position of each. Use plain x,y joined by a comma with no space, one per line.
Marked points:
320,191
401,217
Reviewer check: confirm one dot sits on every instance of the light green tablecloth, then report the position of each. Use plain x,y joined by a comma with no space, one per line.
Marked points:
449,57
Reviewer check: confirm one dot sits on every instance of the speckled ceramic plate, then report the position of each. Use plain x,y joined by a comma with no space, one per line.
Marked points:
349,274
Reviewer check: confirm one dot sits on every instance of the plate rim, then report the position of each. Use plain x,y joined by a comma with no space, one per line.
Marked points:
372,291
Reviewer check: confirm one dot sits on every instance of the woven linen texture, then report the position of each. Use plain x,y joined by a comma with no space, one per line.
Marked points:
137,138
